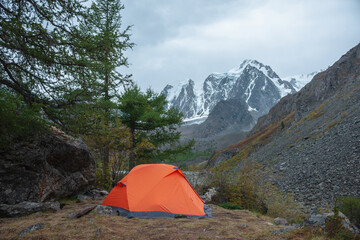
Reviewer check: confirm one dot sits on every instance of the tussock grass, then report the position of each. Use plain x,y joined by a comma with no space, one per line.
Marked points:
227,224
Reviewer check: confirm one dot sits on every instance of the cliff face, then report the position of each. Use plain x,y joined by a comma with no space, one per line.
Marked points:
311,139
49,167
228,116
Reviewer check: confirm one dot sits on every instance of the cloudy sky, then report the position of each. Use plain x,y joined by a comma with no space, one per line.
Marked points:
180,39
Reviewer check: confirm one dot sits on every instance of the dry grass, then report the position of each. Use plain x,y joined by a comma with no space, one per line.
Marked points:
227,224
252,143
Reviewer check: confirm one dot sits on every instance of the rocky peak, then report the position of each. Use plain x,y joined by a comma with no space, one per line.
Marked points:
253,82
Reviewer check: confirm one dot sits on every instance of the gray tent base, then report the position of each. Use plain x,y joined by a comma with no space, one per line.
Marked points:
155,214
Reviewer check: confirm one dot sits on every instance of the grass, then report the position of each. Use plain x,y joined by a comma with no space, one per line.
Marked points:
230,206
226,224
184,157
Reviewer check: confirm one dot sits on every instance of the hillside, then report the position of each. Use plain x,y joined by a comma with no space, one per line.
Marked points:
310,139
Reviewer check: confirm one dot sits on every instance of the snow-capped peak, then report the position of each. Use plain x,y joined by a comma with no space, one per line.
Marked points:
252,82
300,80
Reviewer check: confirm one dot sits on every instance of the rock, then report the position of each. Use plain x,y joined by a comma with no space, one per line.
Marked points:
31,228
211,192
243,225
94,193
46,167
25,208
319,221
284,230
106,210
82,212
280,221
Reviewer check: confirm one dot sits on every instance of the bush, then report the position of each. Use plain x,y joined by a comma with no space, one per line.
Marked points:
231,206
247,188
117,169
336,230
350,206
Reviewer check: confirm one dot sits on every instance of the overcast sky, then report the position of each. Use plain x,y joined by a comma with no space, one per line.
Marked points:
180,39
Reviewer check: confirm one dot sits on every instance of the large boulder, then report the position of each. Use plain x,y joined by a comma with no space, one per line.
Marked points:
48,167
319,221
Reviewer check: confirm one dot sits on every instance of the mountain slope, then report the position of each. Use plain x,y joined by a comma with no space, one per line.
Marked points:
310,140
228,116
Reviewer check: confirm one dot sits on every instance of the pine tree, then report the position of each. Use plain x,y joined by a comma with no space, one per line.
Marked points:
151,125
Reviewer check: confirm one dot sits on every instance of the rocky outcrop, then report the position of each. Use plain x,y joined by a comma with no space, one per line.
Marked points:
319,221
48,167
182,98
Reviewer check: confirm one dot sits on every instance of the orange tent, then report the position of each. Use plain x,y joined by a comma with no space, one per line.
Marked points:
156,191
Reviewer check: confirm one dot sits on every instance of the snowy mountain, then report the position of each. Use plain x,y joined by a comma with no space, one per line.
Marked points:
254,83
183,98
299,81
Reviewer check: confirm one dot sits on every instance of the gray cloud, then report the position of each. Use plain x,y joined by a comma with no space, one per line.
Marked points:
176,40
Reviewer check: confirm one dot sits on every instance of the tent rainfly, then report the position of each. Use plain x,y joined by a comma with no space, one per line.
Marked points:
156,191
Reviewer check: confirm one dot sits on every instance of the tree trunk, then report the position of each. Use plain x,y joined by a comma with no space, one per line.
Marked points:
132,150
106,150
105,159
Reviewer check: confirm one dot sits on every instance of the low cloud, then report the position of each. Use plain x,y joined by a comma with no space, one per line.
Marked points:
180,39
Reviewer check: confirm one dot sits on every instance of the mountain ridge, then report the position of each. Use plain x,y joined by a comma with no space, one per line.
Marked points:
310,141
255,83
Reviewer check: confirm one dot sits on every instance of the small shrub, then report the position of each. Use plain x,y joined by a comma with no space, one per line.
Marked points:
335,229
248,189
231,206
333,225
350,206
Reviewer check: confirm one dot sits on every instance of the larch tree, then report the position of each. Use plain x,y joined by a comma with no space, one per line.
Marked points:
42,55
108,42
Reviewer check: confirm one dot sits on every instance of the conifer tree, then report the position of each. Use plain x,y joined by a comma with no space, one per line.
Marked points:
108,42
150,123
42,54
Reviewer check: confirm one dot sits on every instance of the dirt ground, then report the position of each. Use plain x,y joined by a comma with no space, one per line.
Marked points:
226,224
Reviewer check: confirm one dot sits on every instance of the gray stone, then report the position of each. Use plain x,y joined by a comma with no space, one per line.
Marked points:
210,193
319,221
31,228
25,208
94,193
284,230
105,210
280,221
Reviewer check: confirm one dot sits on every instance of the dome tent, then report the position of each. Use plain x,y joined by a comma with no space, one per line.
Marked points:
156,191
